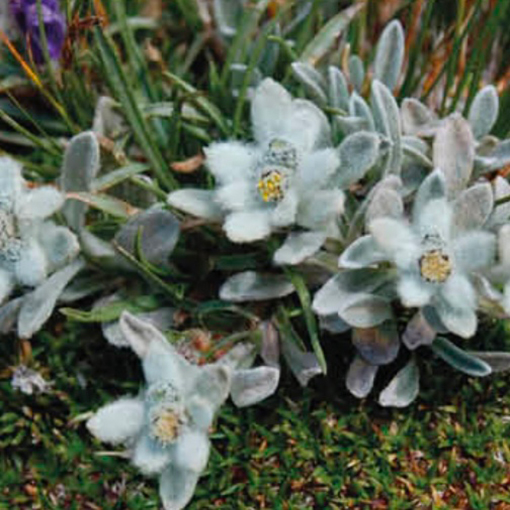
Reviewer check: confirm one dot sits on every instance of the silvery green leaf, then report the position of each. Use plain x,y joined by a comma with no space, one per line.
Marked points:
329,34
298,247
454,152
83,286
365,310
356,72
416,149
418,332
387,122
9,315
413,174
487,291
473,206
226,14
417,119
312,80
498,361
432,317
270,348
348,125
333,323
237,77
496,159
390,55
360,377
59,244
333,295
304,365
484,111
81,164
379,345
403,388
459,359
361,253
198,202
252,286
159,232
38,305
251,386
338,89
359,152
101,251
358,107
486,145
241,356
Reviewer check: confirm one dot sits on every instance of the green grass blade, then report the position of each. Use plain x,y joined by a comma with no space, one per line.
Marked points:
142,130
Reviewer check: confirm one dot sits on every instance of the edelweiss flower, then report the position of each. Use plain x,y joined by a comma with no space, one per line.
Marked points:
167,426
284,178
436,253
30,248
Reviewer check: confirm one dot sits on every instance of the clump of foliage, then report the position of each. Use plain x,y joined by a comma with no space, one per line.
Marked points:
361,208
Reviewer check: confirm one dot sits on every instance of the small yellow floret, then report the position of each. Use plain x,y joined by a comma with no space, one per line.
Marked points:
435,266
270,186
166,426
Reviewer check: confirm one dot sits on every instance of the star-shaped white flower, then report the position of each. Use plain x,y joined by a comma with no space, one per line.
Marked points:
166,428
436,252
31,247
284,178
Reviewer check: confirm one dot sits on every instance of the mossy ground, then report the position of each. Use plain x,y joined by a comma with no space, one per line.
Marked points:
316,448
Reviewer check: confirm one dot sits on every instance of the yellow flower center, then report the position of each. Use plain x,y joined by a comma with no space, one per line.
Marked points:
166,426
271,186
435,266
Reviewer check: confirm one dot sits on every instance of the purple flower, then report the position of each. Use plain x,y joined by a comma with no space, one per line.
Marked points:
25,14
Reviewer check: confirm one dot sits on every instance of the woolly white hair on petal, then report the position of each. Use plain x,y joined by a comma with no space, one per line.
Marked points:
119,421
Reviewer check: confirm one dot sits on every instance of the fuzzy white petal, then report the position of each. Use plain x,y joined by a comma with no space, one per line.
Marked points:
11,182
435,218
397,240
459,292
249,226
32,267
119,421
160,361
39,203
317,168
413,291
475,250
299,246
270,110
237,196
176,487
320,209
198,202
149,456
307,127
191,451
6,284
284,214
361,253
230,161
